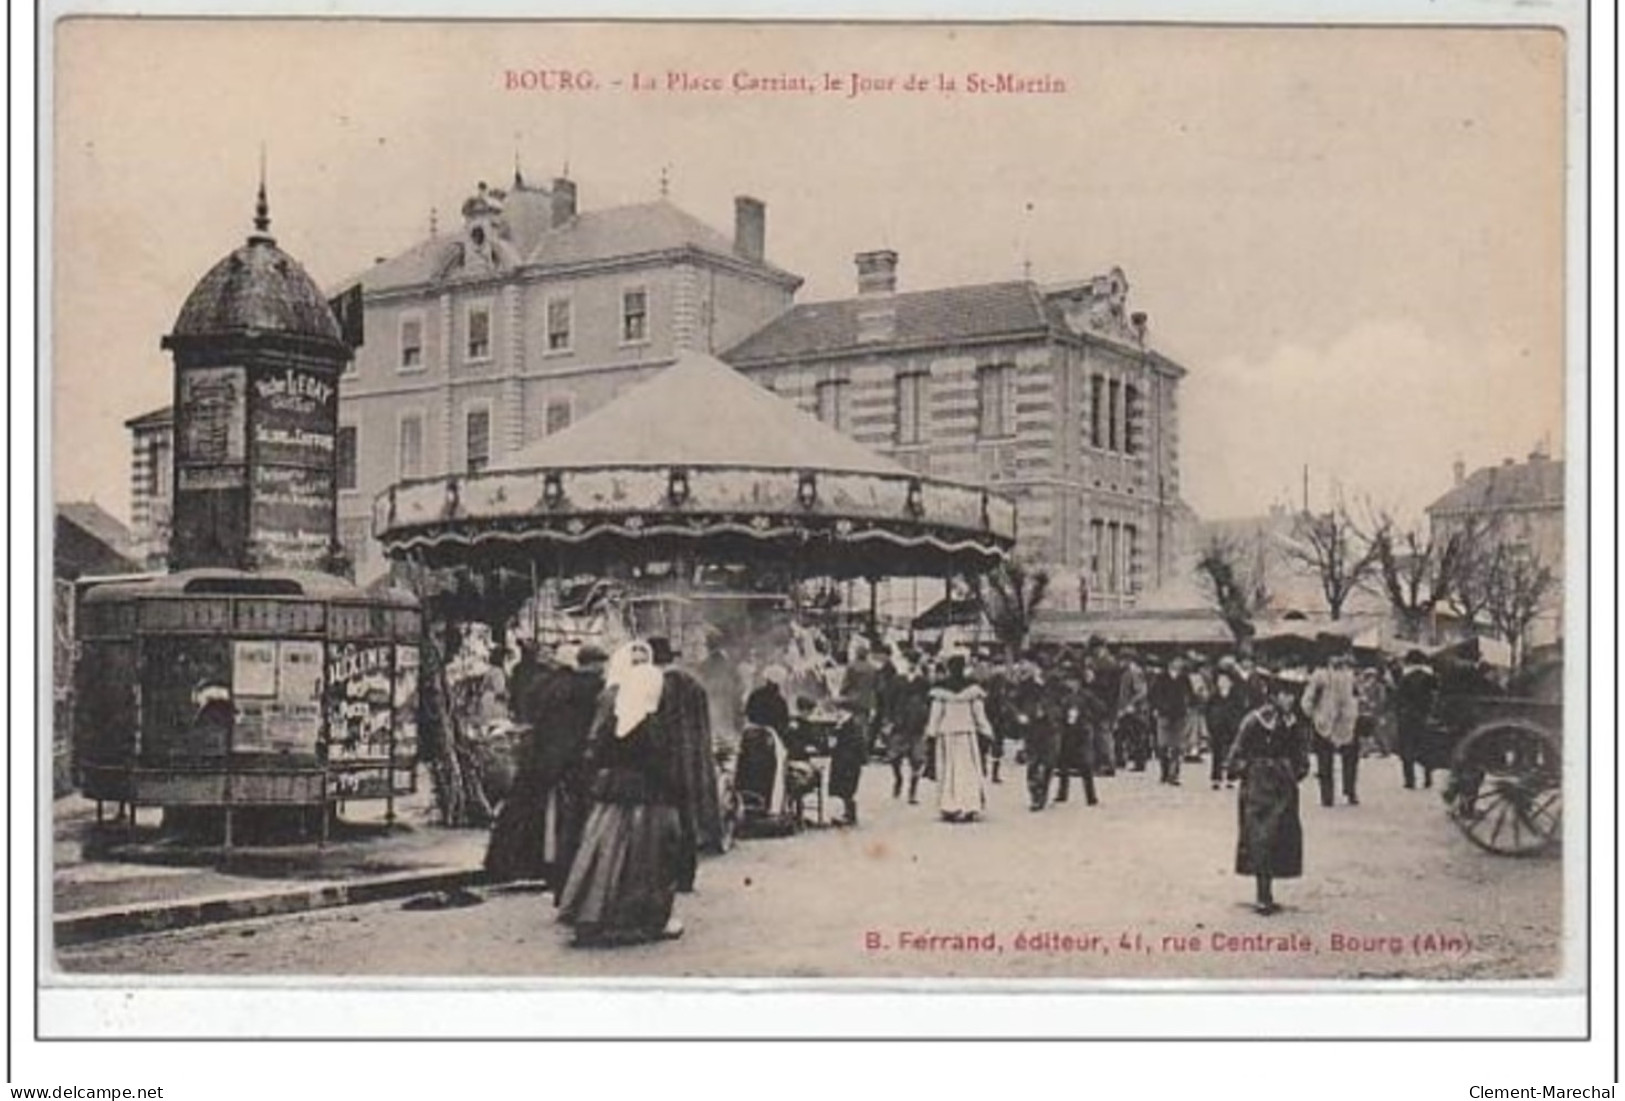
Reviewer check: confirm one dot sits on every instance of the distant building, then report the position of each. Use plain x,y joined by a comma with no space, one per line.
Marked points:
89,541
1518,506
1051,394
152,471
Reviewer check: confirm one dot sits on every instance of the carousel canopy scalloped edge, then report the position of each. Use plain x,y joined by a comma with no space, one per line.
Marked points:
577,504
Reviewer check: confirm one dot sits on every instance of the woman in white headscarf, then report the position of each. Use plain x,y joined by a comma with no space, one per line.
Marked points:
623,883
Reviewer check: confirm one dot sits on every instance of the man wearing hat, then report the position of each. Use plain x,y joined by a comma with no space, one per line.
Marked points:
1414,696
1333,709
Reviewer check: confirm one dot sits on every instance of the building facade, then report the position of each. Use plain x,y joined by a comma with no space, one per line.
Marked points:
532,314
1051,394
1519,507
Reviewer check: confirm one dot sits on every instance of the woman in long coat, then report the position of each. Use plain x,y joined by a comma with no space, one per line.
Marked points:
958,719
1271,753
624,880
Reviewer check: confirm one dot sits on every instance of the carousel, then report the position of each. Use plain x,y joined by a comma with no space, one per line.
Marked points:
696,486
698,507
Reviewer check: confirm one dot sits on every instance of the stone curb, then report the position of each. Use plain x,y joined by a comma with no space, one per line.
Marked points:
108,922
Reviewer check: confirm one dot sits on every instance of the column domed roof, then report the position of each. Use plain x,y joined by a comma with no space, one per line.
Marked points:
258,288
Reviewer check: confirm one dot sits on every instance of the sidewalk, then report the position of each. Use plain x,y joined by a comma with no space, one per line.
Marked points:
107,883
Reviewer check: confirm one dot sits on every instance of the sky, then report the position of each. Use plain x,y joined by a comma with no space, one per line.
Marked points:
1352,238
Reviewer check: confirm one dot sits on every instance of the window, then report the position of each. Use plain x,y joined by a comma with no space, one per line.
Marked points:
993,400
411,342
634,315
832,402
344,456
558,413
911,411
1114,549
478,437
1131,556
1097,552
479,331
1114,393
409,452
558,324
159,473
1097,406
1131,420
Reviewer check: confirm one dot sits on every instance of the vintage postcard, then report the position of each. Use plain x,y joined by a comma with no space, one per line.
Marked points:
1054,507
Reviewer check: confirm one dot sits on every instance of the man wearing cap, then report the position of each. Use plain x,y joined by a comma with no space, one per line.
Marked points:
1334,710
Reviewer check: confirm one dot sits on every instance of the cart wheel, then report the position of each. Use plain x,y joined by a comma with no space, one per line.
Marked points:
1506,788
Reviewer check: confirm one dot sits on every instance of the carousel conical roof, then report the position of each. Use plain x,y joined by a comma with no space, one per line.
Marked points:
698,463
701,412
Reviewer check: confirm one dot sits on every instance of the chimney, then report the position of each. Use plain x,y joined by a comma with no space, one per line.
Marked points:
877,303
563,209
1459,469
750,228
877,273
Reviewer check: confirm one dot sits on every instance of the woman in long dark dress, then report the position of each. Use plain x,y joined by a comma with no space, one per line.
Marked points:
1271,754
624,880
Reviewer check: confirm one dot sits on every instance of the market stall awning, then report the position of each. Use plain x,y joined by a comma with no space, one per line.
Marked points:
699,462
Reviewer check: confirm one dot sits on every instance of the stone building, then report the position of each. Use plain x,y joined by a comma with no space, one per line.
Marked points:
1050,393
530,314
1518,506
535,311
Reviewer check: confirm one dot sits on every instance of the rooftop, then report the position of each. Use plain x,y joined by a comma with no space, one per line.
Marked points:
1535,483
942,316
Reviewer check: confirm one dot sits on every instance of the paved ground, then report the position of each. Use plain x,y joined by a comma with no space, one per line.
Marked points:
1139,886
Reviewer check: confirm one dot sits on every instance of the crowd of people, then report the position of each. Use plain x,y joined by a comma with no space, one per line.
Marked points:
616,788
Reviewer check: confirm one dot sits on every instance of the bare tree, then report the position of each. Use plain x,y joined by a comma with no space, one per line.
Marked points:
1477,537
1010,597
1330,546
1517,585
1415,572
1234,584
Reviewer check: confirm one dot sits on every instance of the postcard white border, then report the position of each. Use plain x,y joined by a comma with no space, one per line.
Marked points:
607,1010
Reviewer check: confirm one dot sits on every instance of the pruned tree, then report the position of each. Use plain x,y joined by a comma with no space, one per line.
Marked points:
1517,586
1416,572
1329,545
1010,597
1234,583
1477,537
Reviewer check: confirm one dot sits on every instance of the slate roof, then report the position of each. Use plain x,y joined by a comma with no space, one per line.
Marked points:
89,541
591,236
157,418
943,316
1534,484
677,419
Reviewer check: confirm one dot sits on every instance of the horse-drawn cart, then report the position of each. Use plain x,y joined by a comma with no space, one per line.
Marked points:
1505,756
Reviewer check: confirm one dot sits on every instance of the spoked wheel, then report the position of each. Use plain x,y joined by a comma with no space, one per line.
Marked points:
1506,790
